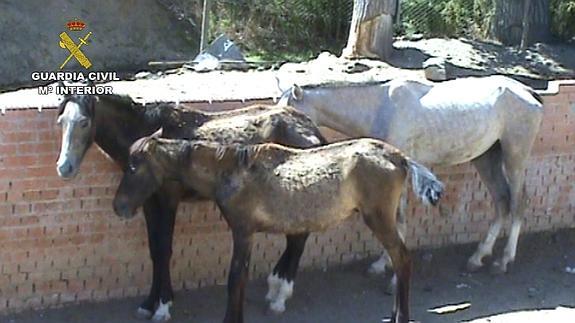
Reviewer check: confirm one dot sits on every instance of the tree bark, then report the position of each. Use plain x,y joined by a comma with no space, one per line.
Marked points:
510,20
371,31
205,24
526,25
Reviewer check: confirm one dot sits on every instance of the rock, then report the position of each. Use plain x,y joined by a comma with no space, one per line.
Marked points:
356,68
221,54
435,69
205,62
224,48
142,75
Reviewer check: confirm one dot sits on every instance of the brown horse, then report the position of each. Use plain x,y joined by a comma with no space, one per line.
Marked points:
272,188
114,122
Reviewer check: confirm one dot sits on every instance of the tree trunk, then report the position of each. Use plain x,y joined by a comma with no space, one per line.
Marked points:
510,19
526,25
205,25
371,32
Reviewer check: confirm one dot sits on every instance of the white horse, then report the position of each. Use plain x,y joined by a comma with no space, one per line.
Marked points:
490,121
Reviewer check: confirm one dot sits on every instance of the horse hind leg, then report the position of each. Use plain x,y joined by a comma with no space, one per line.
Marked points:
382,220
384,228
514,161
384,261
490,169
281,280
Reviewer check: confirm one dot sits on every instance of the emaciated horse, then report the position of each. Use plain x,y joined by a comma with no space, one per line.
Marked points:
272,188
115,122
490,121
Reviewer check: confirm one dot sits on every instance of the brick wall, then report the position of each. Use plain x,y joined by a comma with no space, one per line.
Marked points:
61,242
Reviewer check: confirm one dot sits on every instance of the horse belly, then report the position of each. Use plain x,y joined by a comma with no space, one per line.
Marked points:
306,211
450,137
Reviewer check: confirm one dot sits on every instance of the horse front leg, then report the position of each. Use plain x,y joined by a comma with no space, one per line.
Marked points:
152,214
165,240
238,276
281,280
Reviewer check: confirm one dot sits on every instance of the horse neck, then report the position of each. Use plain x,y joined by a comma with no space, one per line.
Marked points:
203,171
118,126
208,168
338,109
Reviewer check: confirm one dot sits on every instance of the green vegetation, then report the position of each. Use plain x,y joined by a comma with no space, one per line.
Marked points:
298,29
450,18
563,18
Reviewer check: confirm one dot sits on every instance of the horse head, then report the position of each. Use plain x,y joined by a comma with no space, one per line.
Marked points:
142,177
76,117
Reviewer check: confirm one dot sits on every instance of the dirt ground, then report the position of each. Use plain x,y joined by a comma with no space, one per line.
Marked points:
474,57
538,280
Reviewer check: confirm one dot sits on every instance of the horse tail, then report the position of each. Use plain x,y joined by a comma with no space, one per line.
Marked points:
425,184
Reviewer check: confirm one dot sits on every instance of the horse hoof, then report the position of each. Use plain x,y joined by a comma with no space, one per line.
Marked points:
497,269
277,308
270,312
397,318
162,317
375,270
143,314
472,267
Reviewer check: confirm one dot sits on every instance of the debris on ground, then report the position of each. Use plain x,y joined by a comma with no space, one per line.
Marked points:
222,53
452,308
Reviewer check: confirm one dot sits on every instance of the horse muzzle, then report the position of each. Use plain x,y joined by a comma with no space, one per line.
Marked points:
66,170
123,210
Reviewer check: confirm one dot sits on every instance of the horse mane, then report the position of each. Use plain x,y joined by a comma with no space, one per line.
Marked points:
150,111
80,99
121,99
245,155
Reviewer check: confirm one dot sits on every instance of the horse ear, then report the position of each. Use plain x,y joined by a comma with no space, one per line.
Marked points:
282,86
150,145
158,134
297,92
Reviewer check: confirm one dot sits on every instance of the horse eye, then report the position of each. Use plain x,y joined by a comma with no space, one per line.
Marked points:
84,123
